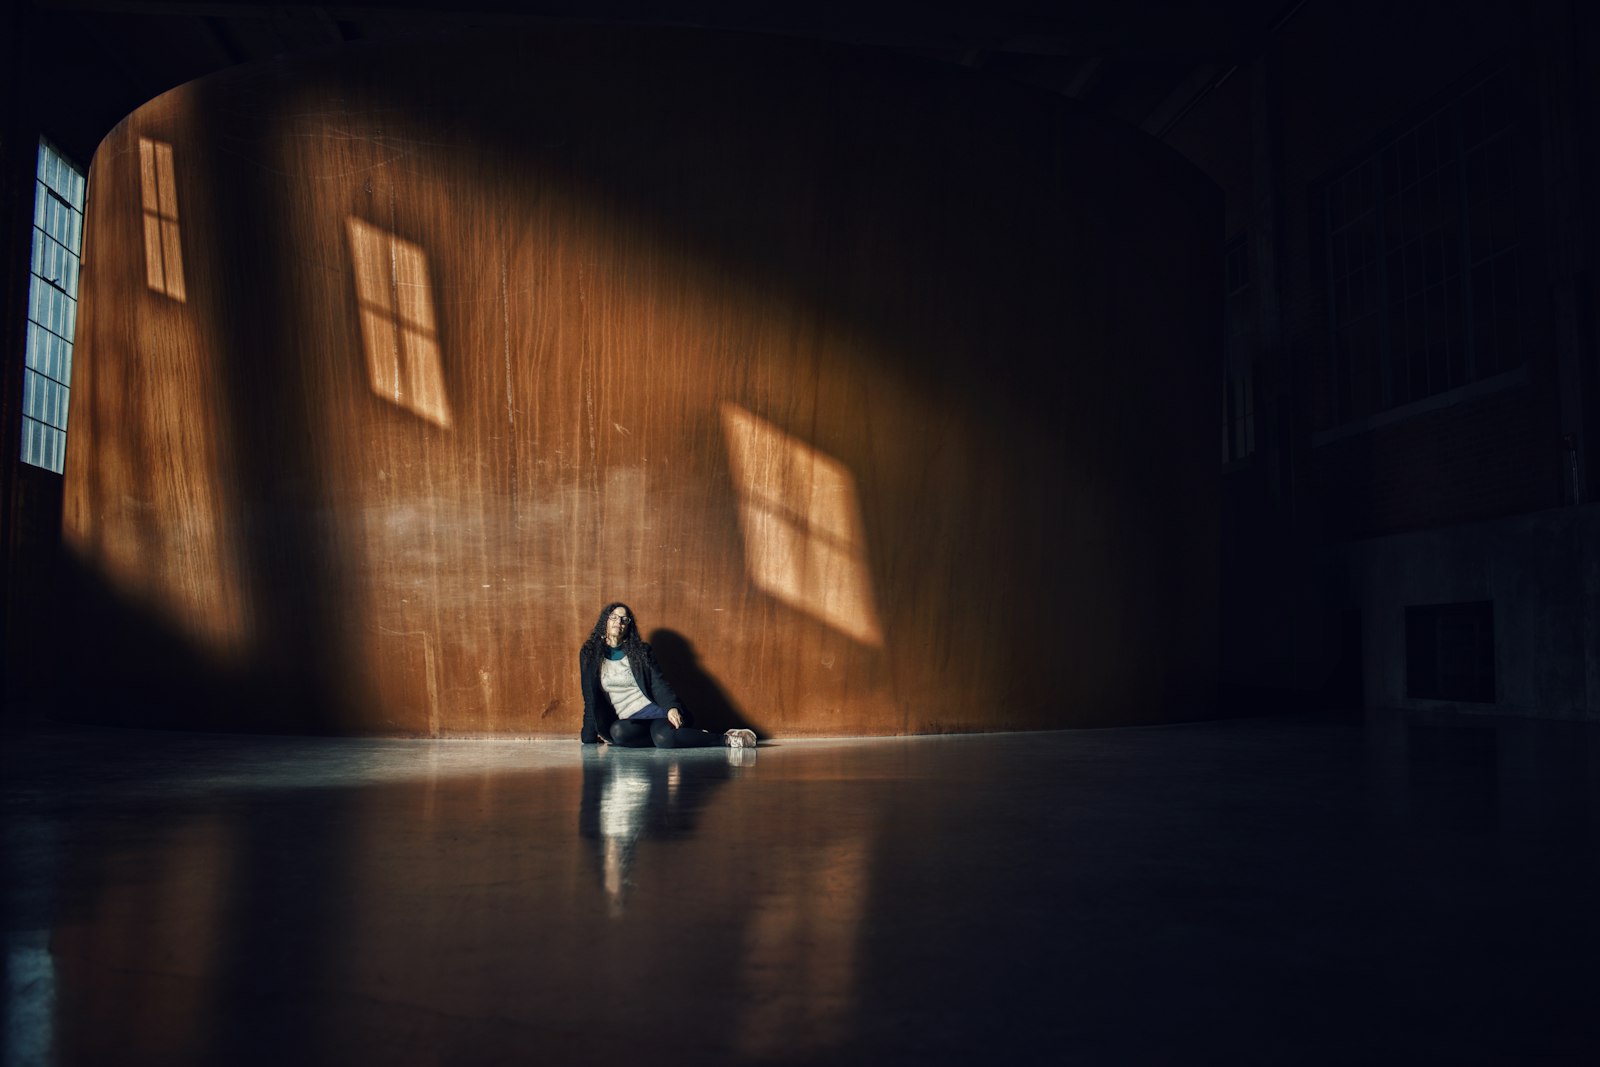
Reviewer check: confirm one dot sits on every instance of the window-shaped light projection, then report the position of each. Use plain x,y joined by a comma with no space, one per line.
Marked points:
163,251
52,308
803,537
397,324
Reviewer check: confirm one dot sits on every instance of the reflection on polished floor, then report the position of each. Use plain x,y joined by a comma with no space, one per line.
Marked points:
1250,891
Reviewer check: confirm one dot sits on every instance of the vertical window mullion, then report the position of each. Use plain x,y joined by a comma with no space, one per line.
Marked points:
1381,355
1340,372
1380,223
1463,222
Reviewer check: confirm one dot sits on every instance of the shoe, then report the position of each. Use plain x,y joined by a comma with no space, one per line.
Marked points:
740,738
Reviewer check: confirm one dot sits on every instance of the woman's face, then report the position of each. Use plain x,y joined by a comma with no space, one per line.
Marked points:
616,622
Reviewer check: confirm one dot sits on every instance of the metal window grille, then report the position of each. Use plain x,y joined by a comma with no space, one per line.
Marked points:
1422,252
52,308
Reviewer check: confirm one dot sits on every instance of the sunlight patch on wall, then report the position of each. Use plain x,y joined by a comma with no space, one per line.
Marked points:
804,542
397,322
168,537
163,251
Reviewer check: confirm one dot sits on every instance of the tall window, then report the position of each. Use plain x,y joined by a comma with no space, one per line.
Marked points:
1422,247
52,308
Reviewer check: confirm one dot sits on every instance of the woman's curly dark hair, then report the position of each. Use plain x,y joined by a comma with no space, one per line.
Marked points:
595,645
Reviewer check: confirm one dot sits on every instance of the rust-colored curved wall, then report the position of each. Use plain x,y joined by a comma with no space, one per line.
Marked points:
883,393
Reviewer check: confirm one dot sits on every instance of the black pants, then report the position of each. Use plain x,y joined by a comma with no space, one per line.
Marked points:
660,733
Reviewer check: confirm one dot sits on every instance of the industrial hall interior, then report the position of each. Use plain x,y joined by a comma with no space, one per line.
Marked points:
1024,532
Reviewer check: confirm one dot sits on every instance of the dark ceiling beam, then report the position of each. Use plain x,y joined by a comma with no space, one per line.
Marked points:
331,26
115,56
1199,81
227,50
1084,80
1176,116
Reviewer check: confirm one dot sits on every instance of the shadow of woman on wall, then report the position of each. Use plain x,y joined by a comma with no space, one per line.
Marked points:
701,694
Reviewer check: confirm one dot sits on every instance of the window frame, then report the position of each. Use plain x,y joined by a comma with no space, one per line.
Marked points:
50,322
1360,396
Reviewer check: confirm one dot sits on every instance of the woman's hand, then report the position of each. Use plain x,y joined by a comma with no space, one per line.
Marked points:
675,717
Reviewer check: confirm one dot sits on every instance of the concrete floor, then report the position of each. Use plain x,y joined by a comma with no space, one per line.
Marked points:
1252,891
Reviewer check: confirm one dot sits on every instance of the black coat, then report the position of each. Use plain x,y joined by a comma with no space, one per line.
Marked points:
598,714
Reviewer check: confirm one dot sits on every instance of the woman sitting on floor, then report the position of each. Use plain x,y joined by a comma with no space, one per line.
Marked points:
626,699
